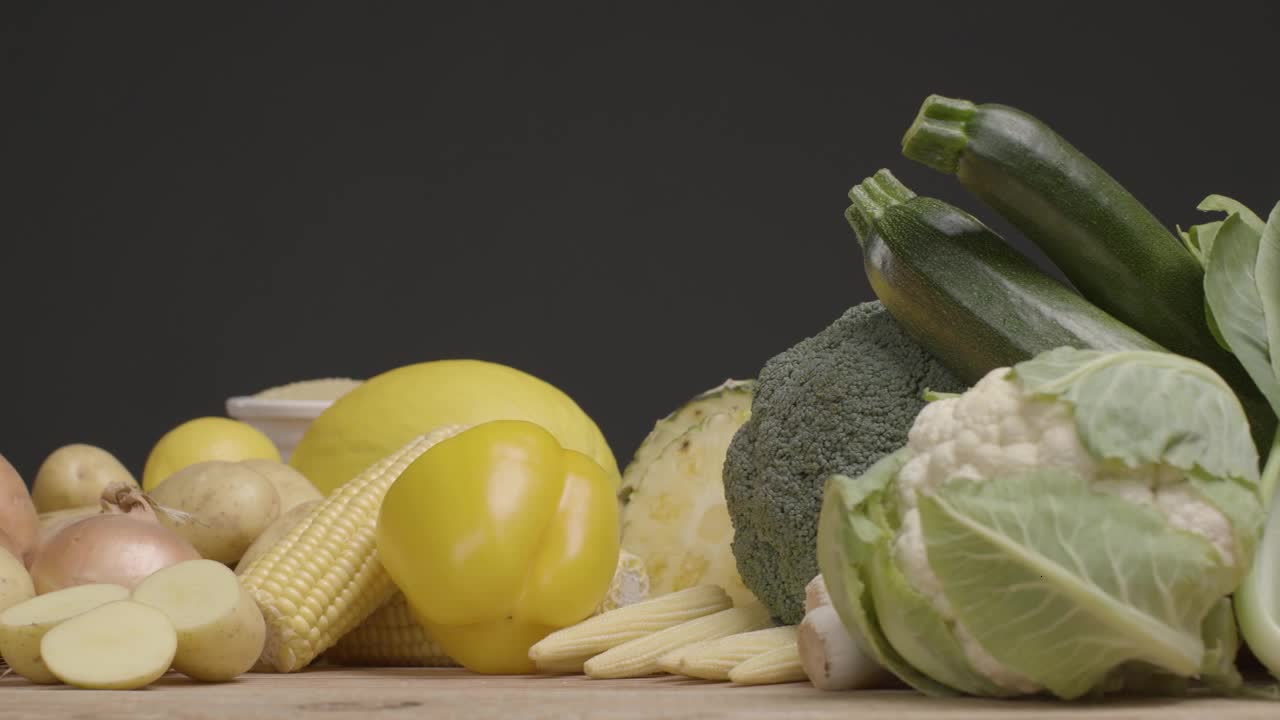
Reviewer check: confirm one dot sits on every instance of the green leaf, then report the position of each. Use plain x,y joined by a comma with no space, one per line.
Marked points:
849,532
1141,407
1271,473
1258,597
1207,235
1221,645
1241,503
919,633
1223,204
1064,584
1214,330
1199,239
1231,290
1141,679
1267,275
1218,671
1189,242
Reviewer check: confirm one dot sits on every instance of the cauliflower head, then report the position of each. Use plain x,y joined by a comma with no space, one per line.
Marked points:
995,430
1053,493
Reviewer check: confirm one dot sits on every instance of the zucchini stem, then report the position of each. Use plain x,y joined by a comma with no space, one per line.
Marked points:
871,198
937,136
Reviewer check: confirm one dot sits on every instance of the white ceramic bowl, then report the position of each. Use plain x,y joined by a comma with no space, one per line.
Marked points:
284,421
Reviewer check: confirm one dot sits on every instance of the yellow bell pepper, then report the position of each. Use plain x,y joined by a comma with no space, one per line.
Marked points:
497,537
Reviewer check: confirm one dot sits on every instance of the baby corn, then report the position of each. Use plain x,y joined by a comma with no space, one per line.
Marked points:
713,659
567,650
639,657
781,665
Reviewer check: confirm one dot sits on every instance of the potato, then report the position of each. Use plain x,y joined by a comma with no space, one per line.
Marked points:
293,486
230,505
274,533
24,625
74,476
15,581
121,645
18,521
221,631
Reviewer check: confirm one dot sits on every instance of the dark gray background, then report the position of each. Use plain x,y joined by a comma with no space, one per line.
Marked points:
632,201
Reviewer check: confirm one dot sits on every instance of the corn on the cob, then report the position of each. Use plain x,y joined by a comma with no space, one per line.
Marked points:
568,649
275,532
781,665
324,578
713,659
639,657
390,637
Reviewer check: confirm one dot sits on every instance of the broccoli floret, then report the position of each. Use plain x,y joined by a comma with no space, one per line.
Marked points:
833,403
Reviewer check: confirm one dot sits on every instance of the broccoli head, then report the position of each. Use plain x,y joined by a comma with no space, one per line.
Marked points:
833,403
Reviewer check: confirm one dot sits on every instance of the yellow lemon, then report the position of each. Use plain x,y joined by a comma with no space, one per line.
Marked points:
388,410
202,439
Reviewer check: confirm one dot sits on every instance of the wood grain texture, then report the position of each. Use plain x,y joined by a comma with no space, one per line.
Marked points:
442,694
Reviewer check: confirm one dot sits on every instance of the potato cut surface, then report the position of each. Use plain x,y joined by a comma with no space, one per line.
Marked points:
122,645
24,625
192,593
221,631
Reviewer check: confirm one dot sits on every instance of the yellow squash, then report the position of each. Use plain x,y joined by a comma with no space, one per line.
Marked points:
386,411
497,537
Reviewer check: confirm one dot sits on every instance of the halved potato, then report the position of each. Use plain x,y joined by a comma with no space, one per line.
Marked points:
122,645
221,631
24,625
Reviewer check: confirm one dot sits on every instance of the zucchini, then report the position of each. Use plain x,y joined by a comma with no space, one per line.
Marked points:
1107,244
964,294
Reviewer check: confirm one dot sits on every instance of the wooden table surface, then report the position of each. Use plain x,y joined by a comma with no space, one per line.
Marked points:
393,693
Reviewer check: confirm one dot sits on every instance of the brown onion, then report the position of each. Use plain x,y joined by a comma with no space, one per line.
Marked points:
121,545
18,521
52,523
